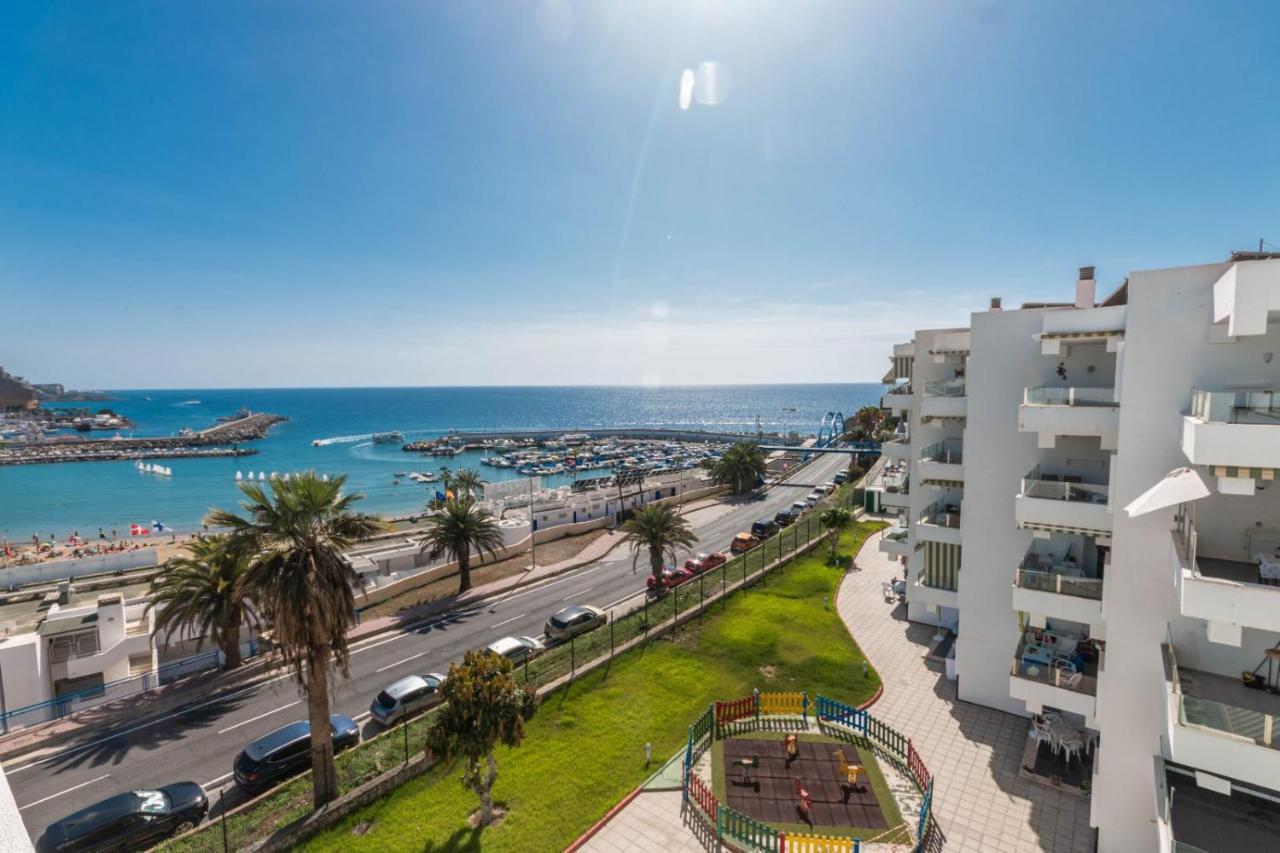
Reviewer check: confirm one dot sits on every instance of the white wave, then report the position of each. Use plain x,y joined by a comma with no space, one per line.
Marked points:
342,439
188,403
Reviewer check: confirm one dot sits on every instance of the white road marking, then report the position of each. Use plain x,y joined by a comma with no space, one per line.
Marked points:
544,586
626,597
509,621
578,593
360,718
259,717
67,791
213,783
366,648
397,663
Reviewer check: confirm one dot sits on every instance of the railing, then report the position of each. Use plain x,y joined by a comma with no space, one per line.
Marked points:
1184,847
937,580
1047,396
944,388
903,389
898,533
1042,581
939,515
1236,407
1047,673
1241,723
1050,487
950,451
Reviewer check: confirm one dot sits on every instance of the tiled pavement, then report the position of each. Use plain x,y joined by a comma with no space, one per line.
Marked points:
980,802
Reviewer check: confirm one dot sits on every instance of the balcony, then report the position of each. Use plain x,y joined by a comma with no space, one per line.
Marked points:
894,486
1247,297
1229,594
896,540
1217,724
942,463
1083,326
932,591
949,344
1065,503
897,450
1238,429
1059,589
1051,412
898,398
1202,819
940,522
1057,670
943,398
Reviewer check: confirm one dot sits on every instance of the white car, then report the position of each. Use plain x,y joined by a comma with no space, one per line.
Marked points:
829,486
516,649
813,498
799,507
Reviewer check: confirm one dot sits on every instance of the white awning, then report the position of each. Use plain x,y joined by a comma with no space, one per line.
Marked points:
1181,485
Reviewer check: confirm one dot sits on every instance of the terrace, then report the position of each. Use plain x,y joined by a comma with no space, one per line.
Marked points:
940,522
1240,586
1057,669
942,463
1202,819
1233,428
1067,502
943,398
897,539
1053,412
1061,579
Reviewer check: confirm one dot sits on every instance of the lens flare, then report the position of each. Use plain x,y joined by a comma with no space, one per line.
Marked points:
712,84
686,89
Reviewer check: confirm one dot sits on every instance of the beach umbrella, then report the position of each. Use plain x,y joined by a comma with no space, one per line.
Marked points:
1179,486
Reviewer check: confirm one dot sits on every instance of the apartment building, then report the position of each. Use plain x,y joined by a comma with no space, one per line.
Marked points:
1092,507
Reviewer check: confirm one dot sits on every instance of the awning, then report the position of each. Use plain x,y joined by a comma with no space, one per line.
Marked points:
1181,485
891,376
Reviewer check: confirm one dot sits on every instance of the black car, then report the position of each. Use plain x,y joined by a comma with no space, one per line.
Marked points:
784,518
287,751
764,527
135,820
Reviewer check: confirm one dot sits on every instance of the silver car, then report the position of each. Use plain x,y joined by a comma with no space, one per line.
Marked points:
516,649
409,695
575,620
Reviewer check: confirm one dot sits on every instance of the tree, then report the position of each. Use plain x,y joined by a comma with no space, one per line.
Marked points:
864,424
483,707
740,468
203,593
467,484
659,530
834,520
295,538
460,527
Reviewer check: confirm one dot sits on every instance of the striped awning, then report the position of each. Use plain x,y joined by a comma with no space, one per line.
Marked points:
1235,472
1062,528
1108,333
946,484
942,565
924,419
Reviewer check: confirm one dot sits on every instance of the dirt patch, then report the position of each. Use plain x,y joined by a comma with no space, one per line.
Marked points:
552,552
499,815
768,671
362,827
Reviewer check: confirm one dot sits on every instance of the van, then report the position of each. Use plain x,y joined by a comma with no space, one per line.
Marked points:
764,527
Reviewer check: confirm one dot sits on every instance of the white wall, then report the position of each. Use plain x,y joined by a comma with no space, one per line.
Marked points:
55,570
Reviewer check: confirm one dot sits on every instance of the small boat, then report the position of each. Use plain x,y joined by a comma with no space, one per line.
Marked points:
396,481
391,437
240,476
400,474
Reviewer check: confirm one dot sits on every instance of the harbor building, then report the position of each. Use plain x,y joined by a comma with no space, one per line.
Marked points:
15,394
1088,511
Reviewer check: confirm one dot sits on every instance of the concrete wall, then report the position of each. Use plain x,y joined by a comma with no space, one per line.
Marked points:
16,576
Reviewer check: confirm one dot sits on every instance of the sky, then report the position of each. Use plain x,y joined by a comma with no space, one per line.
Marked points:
314,193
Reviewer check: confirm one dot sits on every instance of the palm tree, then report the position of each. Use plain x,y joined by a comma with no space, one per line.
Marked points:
295,538
660,530
202,593
740,468
460,527
865,423
467,484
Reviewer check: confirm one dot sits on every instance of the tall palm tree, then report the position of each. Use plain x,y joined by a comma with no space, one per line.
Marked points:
203,594
659,530
460,527
295,538
467,484
740,468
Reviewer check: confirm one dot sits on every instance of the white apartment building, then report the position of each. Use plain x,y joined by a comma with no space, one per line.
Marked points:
1151,626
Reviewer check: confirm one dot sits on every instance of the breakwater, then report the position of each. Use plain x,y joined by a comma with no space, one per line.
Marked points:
211,442
484,439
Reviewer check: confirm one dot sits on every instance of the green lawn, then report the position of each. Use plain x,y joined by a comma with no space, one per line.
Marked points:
585,747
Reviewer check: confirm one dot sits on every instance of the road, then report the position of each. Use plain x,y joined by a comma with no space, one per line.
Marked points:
199,741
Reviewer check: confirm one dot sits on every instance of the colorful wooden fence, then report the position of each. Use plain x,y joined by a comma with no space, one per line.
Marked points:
806,843
831,711
790,704
701,733
915,765
700,792
734,710
743,831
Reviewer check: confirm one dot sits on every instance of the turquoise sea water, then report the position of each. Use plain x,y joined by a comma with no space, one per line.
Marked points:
61,498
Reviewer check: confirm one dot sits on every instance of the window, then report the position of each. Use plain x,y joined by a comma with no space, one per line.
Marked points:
75,644
293,750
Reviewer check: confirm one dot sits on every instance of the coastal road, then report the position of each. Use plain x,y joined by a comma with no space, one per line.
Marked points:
200,741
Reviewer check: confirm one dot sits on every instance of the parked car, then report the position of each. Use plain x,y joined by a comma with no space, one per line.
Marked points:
841,477
829,486
785,518
671,578
798,508
813,497
765,527
742,543
134,820
575,620
287,751
516,649
405,697
705,562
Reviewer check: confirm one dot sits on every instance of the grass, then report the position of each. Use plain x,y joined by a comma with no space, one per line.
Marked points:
897,832
585,748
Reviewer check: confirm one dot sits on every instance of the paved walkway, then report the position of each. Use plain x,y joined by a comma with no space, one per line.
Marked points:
980,802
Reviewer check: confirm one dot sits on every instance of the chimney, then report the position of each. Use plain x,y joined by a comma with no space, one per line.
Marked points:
995,303
1086,288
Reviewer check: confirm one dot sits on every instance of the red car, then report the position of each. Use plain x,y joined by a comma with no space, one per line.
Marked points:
705,562
671,578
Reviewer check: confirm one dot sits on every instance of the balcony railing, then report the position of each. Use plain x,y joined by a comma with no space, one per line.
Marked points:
941,514
1047,673
903,389
944,388
1067,487
1233,721
897,533
950,451
1041,581
1236,407
937,580
1045,396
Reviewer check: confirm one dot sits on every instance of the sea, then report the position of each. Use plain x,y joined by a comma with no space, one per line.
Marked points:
55,500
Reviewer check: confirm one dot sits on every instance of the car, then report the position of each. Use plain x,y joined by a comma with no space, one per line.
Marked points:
785,518
798,508
705,562
829,486
516,649
405,697
134,820
742,543
286,751
841,477
671,578
574,620
813,498
765,527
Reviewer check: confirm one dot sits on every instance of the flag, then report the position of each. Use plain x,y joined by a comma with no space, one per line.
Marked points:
139,530
439,495
158,527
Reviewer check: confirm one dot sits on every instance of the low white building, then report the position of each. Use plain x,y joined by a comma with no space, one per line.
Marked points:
1155,633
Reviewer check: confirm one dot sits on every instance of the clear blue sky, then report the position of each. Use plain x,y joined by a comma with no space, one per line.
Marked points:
200,194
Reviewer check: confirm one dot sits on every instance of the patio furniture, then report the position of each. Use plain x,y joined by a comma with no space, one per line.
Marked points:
1064,665
1040,733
